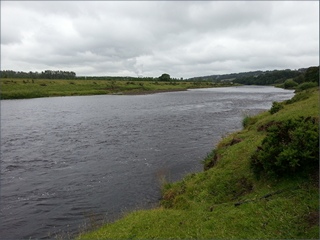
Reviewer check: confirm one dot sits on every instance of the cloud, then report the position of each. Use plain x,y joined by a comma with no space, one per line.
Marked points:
184,39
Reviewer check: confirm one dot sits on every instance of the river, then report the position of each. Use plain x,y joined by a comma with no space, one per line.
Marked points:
67,162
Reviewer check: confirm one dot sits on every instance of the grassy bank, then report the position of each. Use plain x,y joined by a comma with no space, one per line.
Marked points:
29,88
229,200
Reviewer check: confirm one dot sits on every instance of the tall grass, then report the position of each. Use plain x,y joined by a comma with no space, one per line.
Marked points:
248,120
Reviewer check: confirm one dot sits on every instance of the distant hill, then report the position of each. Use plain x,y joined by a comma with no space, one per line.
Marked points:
273,77
258,77
226,77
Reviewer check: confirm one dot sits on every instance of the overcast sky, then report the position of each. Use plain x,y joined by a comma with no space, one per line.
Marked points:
181,38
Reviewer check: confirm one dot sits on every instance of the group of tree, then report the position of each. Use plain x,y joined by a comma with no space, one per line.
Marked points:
226,77
47,74
310,74
58,74
307,79
269,77
289,78
164,77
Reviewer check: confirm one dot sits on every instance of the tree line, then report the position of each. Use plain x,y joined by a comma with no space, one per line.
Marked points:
273,77
58,74
290,77
47,74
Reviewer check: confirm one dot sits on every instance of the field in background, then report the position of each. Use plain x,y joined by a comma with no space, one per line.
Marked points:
35,88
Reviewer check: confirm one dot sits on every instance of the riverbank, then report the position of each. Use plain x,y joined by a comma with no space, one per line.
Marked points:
234,197
36,88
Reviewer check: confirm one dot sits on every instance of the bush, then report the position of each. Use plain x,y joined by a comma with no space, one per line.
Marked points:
248,121
307,85
290,84
312,74
211,160
290,147
276,107
300,96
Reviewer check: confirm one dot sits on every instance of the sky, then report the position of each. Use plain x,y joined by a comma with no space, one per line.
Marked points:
148,38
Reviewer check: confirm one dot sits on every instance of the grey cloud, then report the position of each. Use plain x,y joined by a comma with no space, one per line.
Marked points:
185,39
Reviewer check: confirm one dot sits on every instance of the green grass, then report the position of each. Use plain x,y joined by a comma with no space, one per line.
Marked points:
226,201
28,88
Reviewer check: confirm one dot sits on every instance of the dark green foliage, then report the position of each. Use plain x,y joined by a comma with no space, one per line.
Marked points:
298,97
312,75
275,77
211,160
290,147
306,85
47,74
268,77
289,83
299,79
226,77
276,107
164,77
248,121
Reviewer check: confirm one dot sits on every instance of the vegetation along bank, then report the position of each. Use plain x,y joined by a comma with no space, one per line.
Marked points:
18,85
35,88
259,183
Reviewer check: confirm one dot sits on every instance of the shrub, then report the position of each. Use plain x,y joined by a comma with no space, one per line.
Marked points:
211,160
298,97
307,85
276,107
290,147
248,120
312,74
290,84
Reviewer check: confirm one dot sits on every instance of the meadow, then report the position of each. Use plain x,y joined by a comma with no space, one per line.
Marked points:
229,200
35,88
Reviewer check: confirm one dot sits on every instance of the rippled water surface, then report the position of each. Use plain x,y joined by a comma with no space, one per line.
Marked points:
68,161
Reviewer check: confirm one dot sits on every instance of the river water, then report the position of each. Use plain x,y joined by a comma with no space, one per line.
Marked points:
67,162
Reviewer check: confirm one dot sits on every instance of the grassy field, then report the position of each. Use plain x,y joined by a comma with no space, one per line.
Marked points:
28,88
227,201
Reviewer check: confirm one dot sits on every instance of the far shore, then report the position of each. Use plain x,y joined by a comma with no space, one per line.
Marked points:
150,92
38,88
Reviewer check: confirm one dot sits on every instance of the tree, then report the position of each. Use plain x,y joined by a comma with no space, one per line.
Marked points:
312,74
165,77
289,83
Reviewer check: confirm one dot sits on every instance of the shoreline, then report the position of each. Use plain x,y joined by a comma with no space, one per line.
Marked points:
217,194
147,92
38,88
